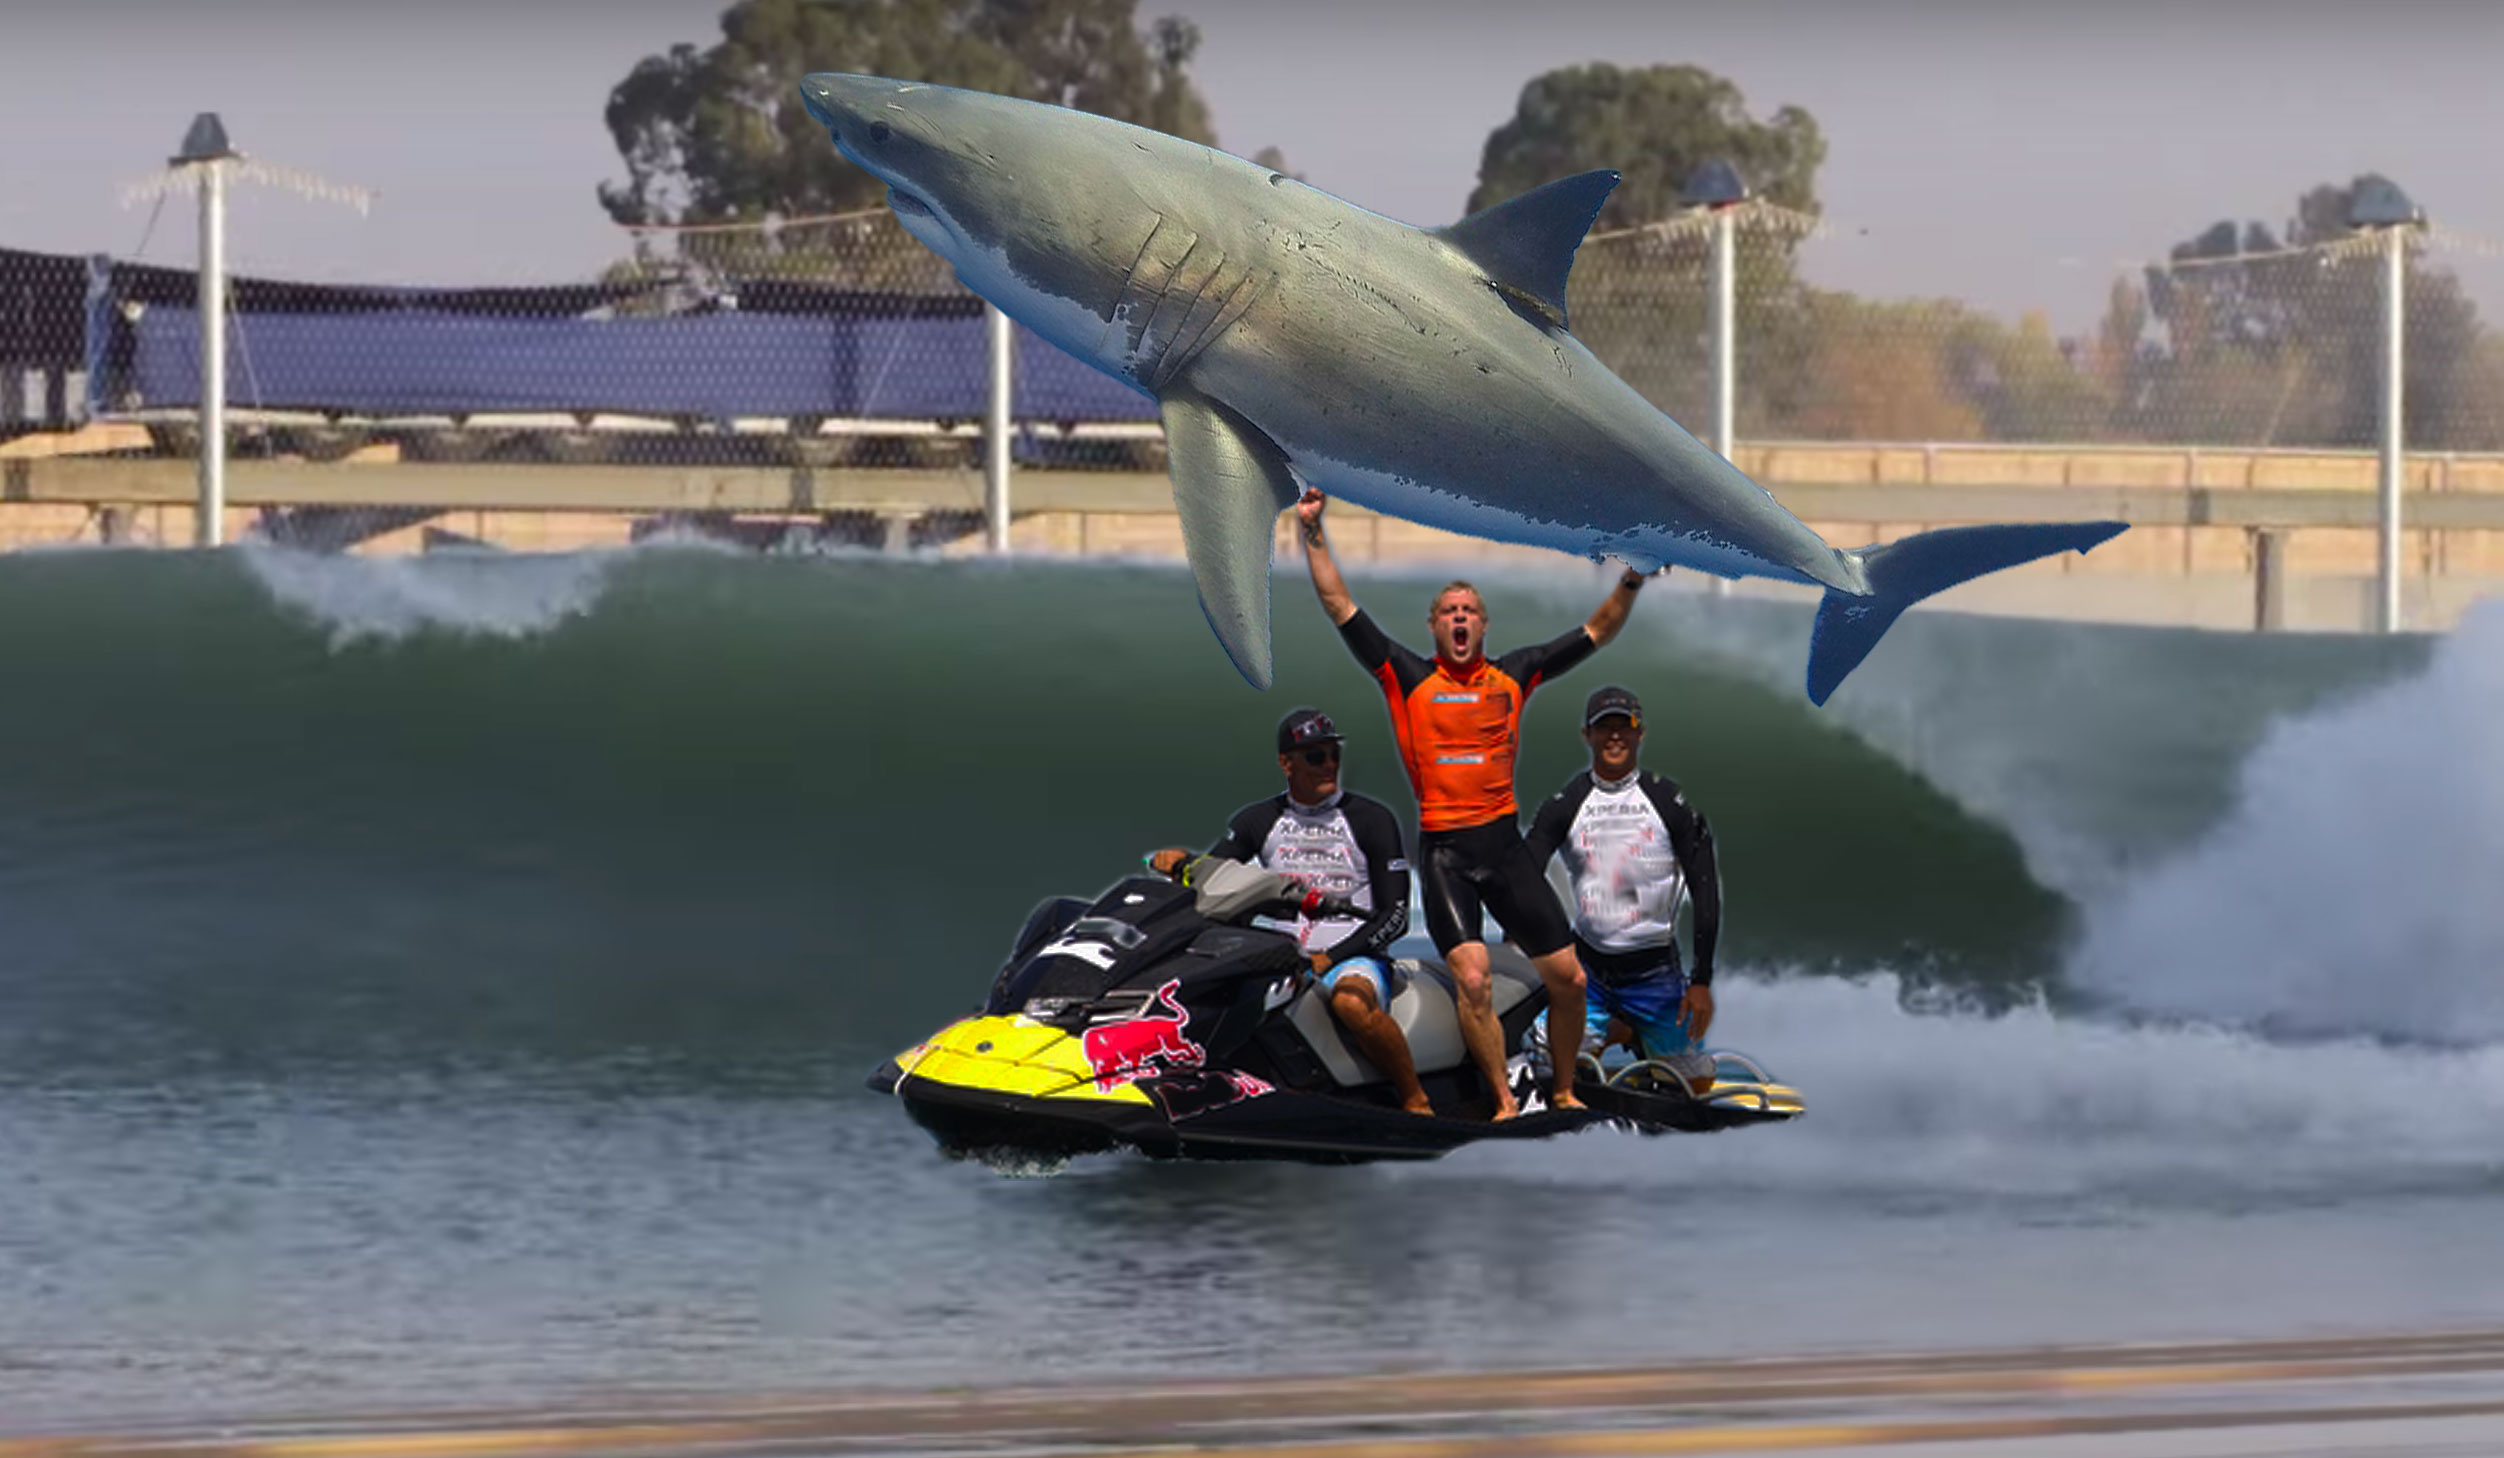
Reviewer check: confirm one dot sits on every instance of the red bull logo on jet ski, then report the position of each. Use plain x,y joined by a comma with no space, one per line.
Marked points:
1142,1046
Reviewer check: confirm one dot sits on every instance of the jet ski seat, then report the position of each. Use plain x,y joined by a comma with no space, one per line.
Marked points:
1423,1004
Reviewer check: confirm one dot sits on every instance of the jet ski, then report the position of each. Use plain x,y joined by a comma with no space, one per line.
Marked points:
1161,1017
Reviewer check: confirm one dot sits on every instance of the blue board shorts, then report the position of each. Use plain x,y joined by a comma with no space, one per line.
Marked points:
1643,997
1367,970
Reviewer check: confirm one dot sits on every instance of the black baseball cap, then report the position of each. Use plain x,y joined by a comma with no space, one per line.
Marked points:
1611,700
1306,727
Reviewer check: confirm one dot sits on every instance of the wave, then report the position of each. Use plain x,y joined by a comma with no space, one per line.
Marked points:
2035,1106
266,805
390,599
2353,885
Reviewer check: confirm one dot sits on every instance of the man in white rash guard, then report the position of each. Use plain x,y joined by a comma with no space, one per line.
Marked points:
1634,850
1343,844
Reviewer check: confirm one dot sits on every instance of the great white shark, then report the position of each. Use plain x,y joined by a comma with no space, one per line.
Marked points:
1290,338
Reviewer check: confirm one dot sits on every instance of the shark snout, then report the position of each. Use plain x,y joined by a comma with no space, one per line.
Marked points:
836,100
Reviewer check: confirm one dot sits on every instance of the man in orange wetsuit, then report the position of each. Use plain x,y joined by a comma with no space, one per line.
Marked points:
1457,717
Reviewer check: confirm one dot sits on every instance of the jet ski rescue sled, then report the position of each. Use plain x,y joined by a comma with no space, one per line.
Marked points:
1155,1019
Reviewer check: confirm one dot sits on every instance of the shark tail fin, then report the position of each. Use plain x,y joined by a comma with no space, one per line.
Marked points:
1902,573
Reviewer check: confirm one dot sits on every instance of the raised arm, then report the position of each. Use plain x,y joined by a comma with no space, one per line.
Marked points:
1613,611
1327,583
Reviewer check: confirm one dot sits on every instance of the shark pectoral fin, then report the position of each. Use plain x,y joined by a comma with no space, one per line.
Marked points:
1230,483
1527,244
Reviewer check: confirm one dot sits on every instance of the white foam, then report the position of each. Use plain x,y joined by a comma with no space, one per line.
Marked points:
501,595
2357,884
2031,1104
2026,745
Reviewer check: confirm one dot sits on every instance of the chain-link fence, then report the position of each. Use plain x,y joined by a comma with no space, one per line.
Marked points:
832,343
2280,348
843,341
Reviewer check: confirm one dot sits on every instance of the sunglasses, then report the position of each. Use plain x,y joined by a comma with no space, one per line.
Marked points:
1321,754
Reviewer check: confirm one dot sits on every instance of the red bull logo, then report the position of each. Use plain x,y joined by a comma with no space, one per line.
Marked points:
1142,1046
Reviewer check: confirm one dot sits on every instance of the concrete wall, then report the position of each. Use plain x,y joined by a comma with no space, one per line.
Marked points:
2187,575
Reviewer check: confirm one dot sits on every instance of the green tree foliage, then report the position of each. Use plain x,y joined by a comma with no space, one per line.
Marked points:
1639,302
719,134
1655,125
2275,339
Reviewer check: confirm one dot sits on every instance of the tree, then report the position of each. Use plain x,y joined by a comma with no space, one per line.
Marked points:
1654,124
1870,370
2272,342
719,135
1639,302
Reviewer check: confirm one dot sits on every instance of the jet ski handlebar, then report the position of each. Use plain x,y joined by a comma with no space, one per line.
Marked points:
1231,890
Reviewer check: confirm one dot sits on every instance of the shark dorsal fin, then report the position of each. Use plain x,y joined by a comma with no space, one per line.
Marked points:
1527,244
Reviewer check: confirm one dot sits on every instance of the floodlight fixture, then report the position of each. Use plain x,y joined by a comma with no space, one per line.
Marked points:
1714,184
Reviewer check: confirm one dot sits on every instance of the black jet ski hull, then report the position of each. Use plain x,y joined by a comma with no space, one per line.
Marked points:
1280,1125
1133,1022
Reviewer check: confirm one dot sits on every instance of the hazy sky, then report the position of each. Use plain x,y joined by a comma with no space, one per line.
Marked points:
2015,154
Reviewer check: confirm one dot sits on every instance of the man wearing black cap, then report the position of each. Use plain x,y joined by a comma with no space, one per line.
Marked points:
1634,849
1342,844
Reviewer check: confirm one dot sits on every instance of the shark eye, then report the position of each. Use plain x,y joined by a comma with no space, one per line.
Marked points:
880,131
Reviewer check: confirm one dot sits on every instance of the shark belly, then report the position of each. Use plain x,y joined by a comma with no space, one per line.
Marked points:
1065,323
1484,442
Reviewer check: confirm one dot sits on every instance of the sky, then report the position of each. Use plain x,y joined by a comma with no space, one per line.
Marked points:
2014,154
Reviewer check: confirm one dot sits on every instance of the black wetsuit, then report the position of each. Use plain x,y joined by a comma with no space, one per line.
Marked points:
1458,730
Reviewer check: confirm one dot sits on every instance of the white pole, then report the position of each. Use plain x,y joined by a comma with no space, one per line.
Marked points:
211,528
2393,311
1725,341
1725,329
995,466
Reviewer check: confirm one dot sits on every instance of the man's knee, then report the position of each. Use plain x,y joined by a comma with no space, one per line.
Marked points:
1352,999
1561,970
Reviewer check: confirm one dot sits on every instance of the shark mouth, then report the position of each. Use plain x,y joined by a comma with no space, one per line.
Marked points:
908,205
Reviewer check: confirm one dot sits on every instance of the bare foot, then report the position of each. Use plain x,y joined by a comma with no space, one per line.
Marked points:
1418,1105
1564,1099
1505,1109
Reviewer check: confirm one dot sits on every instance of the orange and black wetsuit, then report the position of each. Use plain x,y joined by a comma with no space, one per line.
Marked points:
1458,730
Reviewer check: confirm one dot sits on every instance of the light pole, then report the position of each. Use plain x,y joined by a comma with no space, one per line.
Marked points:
207,162
205,149
2379,205
1717,187
1002,341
